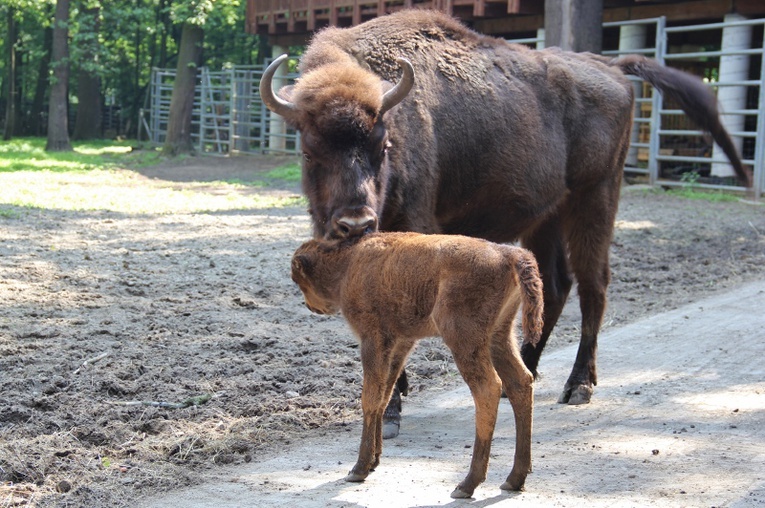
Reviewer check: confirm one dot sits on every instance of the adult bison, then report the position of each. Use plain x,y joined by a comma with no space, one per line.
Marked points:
478,137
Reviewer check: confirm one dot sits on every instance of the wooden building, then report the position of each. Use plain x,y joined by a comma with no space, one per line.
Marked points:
721,41
290,22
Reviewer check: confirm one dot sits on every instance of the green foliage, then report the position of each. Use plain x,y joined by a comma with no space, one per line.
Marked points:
690,179
126,39
194,12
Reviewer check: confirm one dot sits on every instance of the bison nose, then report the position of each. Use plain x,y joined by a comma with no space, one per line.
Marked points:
355,224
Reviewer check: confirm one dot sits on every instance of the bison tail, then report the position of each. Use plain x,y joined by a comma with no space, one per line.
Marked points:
693,96
531,296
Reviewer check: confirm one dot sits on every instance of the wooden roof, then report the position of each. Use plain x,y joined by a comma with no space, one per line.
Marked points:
298,18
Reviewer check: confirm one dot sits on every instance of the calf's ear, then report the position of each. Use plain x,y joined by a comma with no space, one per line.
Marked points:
301,266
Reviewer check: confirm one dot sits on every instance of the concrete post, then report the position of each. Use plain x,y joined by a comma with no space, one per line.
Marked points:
574,25
277,128
732,68
541,38
632,37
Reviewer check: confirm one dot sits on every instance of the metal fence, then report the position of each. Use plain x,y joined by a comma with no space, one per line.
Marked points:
665,146
229,116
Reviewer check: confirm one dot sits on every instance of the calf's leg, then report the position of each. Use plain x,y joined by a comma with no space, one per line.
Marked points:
382,366
518,383
475,367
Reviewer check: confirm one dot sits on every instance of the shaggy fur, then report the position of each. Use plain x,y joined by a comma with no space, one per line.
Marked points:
495,140
395,288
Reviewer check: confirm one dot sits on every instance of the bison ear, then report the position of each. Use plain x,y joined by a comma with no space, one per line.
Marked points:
286,92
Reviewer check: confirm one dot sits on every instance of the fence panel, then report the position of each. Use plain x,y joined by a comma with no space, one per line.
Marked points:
228,115
746,124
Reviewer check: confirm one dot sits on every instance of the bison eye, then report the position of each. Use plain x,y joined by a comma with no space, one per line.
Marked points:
306,157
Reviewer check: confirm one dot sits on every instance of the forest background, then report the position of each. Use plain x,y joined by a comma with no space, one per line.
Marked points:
64,62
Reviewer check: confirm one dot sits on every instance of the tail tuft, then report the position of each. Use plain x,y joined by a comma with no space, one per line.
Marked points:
531,296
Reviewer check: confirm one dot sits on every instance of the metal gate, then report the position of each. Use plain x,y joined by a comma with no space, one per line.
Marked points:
228,116
657,127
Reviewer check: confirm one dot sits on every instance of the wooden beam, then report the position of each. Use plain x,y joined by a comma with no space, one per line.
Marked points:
509,25
700,9
751,8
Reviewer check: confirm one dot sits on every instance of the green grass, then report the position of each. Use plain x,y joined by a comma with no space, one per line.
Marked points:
714,196
28,154
288,173
101,176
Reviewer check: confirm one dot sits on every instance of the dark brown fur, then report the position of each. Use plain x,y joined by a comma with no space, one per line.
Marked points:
495,141
396,288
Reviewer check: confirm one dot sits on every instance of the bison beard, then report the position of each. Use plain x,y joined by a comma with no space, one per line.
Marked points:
479,137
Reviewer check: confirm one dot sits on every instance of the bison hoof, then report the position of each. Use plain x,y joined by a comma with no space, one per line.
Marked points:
580,394
390,429
461,494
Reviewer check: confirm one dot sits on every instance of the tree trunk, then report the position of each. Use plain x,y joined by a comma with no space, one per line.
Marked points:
58,126
89,120
182,101
36,112
89,117
10,62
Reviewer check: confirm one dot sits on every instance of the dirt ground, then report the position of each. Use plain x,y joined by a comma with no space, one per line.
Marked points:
109,321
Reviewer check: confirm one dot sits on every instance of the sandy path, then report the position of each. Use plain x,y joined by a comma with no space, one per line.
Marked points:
678,419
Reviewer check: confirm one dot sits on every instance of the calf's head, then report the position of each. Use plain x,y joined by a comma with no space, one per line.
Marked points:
317,268
338,109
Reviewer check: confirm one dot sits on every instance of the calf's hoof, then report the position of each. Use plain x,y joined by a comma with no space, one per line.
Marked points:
461,494
579,394
392,416
356,477
514,482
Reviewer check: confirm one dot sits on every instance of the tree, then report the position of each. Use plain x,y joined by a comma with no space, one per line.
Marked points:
192,14
11,111
58,125
88,122
182,101
35,119
109,61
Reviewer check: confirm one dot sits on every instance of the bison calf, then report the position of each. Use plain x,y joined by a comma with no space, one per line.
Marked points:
396,288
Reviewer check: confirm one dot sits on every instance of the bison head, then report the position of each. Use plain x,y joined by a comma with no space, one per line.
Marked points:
339,110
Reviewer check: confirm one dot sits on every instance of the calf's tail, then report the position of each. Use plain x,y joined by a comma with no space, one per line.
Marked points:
693,96
531,297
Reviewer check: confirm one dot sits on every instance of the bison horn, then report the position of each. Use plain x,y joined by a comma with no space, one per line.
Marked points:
402,88
270,99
